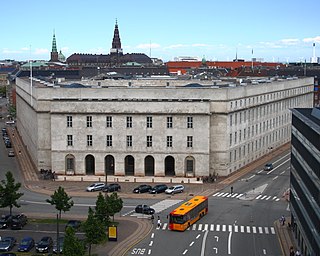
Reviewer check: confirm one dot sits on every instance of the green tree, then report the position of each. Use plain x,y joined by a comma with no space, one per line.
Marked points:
9,194
61,200
94,230
72,246
101,210
114,204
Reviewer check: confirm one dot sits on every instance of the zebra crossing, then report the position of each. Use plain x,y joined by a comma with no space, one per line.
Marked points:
227,228
243,195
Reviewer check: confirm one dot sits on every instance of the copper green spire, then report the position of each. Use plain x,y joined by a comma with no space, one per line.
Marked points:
54,43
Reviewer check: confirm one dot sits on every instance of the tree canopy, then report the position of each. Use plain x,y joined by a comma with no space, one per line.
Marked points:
72,246
61,200
9,194
114,204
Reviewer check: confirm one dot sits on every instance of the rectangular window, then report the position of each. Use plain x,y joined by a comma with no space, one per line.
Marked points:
149,121
189,122
169,141
129,140
89,121
109,121
230,143
89,140
129,121
189,141
169,122
109,140
149,141
69,140
69,121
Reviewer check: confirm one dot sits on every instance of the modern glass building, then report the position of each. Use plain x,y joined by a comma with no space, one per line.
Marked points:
305,179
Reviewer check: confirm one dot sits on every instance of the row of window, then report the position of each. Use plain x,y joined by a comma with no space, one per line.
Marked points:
271,96
263,111
257,129
109,141
189,121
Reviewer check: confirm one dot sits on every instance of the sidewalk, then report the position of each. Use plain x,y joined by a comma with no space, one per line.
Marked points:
137,228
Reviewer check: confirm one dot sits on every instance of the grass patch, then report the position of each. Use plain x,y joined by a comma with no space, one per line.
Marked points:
46,221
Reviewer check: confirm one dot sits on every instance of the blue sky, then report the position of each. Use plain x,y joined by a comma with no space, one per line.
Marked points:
276,30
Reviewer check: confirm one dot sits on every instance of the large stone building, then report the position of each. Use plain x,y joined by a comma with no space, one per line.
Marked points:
305,179
156,127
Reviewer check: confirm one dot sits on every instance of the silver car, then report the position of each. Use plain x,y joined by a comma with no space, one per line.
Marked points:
96,187
175,189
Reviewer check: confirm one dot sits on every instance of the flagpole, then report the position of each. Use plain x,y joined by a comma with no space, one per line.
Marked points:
30,61
252,61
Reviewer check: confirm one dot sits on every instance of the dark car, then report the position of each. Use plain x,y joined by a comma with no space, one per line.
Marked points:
160,188
7,243
19,221
8,143
60,243
8,254
145,209
142,189
75,224
112,187
26,244
44,245
268,167
5,221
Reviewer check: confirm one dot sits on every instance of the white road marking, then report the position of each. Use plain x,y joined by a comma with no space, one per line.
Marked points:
151,243
275,178
242,229
217,227
191,243
203,246
152,235
229,243
223,228
236,228
254,229
266,230
248,229
211,227
200,227
198,236
185,251
272,230
260,230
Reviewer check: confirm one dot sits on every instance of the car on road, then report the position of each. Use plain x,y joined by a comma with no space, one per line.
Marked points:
96,187
142,189
10,122
144,209
175,189
7,243
268,167
44,245
160,188
19,221
26,244
112,187
11,153
5,221
75,224
55,245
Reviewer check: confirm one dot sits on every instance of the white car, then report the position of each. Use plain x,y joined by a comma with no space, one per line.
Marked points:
96,187
175,189
10,122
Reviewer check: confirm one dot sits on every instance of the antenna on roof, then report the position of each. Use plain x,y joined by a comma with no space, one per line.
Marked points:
150,50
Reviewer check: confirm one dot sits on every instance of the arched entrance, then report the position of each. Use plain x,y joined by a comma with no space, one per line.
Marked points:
149,166
70,164
129,165
109,165
90,165
190,166
169,169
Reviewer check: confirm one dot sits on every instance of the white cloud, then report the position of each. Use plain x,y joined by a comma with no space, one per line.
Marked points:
25,49
8,51
175,46
290,41
148,46
200,45
312,39
40,51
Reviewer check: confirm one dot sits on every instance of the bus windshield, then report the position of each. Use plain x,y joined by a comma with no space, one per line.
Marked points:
179,219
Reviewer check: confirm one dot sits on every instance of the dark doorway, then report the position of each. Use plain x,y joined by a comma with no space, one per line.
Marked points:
90,166
109,165
129,165
169,166
149,166
70,164
189,166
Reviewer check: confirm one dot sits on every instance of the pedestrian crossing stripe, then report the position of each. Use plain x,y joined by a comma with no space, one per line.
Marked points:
238,195
226,228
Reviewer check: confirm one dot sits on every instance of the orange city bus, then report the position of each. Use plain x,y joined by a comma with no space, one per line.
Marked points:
188,213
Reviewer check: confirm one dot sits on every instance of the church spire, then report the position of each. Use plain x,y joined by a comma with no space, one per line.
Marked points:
116,42
54,52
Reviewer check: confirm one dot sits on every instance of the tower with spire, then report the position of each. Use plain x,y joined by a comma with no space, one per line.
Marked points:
54,52
116,49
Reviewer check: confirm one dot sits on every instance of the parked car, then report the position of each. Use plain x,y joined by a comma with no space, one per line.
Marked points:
8,144
19,221
96,187
4,130
175,189
10,122
5,221
44,245
160,188
75,224
26,244
112,187
7,243
145,209
268,167
11,153
56,243
8,254
142,189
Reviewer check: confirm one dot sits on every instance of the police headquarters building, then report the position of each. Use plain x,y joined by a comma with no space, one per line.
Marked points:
181,128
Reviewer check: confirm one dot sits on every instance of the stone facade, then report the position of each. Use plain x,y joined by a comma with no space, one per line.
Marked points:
156,127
